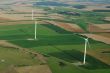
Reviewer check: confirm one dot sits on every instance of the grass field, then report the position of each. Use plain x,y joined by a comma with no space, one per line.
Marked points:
10,57
57,45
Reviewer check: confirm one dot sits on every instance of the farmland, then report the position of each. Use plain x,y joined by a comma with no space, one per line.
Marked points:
61,29
54,43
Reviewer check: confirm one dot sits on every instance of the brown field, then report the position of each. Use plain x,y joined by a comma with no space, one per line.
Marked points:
107,18
19,16
67,26
99,28
13,16
56,16
28,69
103,26
98,38
16,22
16,11
34,69
98,54
105,34
4,19
21,22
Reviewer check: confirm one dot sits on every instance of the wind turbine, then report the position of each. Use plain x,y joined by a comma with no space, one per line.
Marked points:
85,49
35,32
35,26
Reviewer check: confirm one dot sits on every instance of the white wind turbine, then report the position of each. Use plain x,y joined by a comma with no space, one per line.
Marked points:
35,31
85,49
35,26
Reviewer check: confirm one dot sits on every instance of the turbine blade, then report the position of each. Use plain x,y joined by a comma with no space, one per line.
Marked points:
89,46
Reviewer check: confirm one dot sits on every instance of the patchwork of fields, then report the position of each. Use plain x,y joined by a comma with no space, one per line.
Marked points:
58,46
61,28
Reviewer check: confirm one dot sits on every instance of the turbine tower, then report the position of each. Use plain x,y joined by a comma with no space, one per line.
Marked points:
35,25
35,32
85,50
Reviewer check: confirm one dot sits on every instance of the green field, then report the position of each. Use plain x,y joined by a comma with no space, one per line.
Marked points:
57,45
11,58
